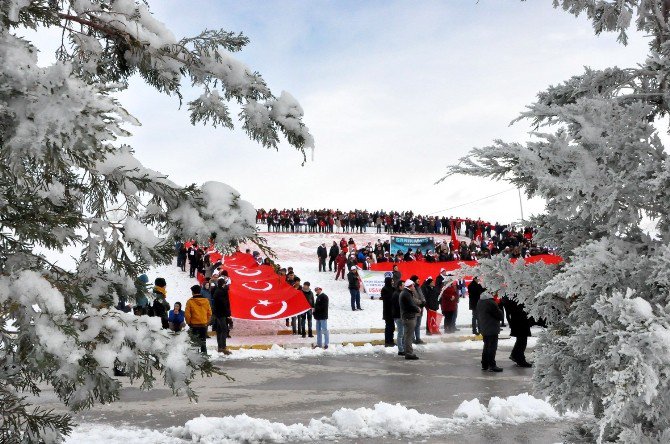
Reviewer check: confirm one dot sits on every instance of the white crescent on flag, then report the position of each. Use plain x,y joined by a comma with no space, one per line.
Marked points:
247,273
268,286
283,308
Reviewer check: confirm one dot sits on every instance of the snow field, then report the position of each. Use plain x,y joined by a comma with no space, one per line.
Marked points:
383,419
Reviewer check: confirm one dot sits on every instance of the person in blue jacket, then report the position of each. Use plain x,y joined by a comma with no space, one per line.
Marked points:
176,318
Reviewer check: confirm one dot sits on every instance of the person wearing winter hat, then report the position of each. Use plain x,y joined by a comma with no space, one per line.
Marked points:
354,288
141,301
198,312
439,282
161,305
489,317
409,309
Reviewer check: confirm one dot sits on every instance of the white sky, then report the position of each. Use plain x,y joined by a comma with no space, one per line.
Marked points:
393,92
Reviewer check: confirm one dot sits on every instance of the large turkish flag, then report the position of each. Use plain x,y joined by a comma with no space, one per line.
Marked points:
425,269
257,293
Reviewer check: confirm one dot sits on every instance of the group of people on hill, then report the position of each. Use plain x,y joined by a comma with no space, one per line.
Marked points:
358,221
342,255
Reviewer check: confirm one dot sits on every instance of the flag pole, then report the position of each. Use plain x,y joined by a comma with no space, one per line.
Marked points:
520,203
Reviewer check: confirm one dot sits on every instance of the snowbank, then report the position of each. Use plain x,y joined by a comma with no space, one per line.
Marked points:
383,419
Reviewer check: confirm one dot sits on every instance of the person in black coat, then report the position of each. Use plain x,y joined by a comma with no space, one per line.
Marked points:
322,253
475,290
321,317
387,311
489,317
221,313
432,296
520,328
334,252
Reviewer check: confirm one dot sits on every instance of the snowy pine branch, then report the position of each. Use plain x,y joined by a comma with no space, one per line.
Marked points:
597,160
67,180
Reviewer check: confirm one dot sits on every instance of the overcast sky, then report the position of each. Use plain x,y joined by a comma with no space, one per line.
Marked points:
393,92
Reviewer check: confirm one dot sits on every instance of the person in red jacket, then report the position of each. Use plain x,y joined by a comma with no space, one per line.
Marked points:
449,304
340,264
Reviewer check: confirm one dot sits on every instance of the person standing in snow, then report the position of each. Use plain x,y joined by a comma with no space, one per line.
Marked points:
430,293
340,264
160,305
322,254
354,288
141,307
193,259
475,290
409,310
321,317
387,311
397,277
332,254
449,304
176,319
397,319
181,257
221,314
421,302
489,317
519,325
307,316
197,314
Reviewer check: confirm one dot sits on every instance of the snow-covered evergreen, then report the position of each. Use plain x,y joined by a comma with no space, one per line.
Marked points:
68,181
597,159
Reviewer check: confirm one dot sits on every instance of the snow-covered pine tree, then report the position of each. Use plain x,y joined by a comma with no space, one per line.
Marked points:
597,159
66,181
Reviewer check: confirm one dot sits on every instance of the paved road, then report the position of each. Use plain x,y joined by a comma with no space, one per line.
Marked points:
295,391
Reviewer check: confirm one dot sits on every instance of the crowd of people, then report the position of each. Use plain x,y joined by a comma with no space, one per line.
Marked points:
359,221
404,299
511,243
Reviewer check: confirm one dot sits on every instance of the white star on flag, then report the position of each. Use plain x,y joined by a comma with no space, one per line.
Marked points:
265,303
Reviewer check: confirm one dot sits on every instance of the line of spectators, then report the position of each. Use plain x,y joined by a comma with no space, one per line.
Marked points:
359,221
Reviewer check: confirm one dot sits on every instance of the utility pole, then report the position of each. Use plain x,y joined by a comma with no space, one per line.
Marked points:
520,203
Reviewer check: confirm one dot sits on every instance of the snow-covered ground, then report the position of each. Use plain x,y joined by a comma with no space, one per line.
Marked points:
298,250
279,351
382,420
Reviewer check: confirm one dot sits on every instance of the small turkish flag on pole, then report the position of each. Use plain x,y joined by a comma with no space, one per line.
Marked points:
434,320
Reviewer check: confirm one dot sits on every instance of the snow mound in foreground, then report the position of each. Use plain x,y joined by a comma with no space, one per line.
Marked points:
383,419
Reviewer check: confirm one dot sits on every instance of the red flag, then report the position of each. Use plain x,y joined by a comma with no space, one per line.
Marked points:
425,269
434,320
257,293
